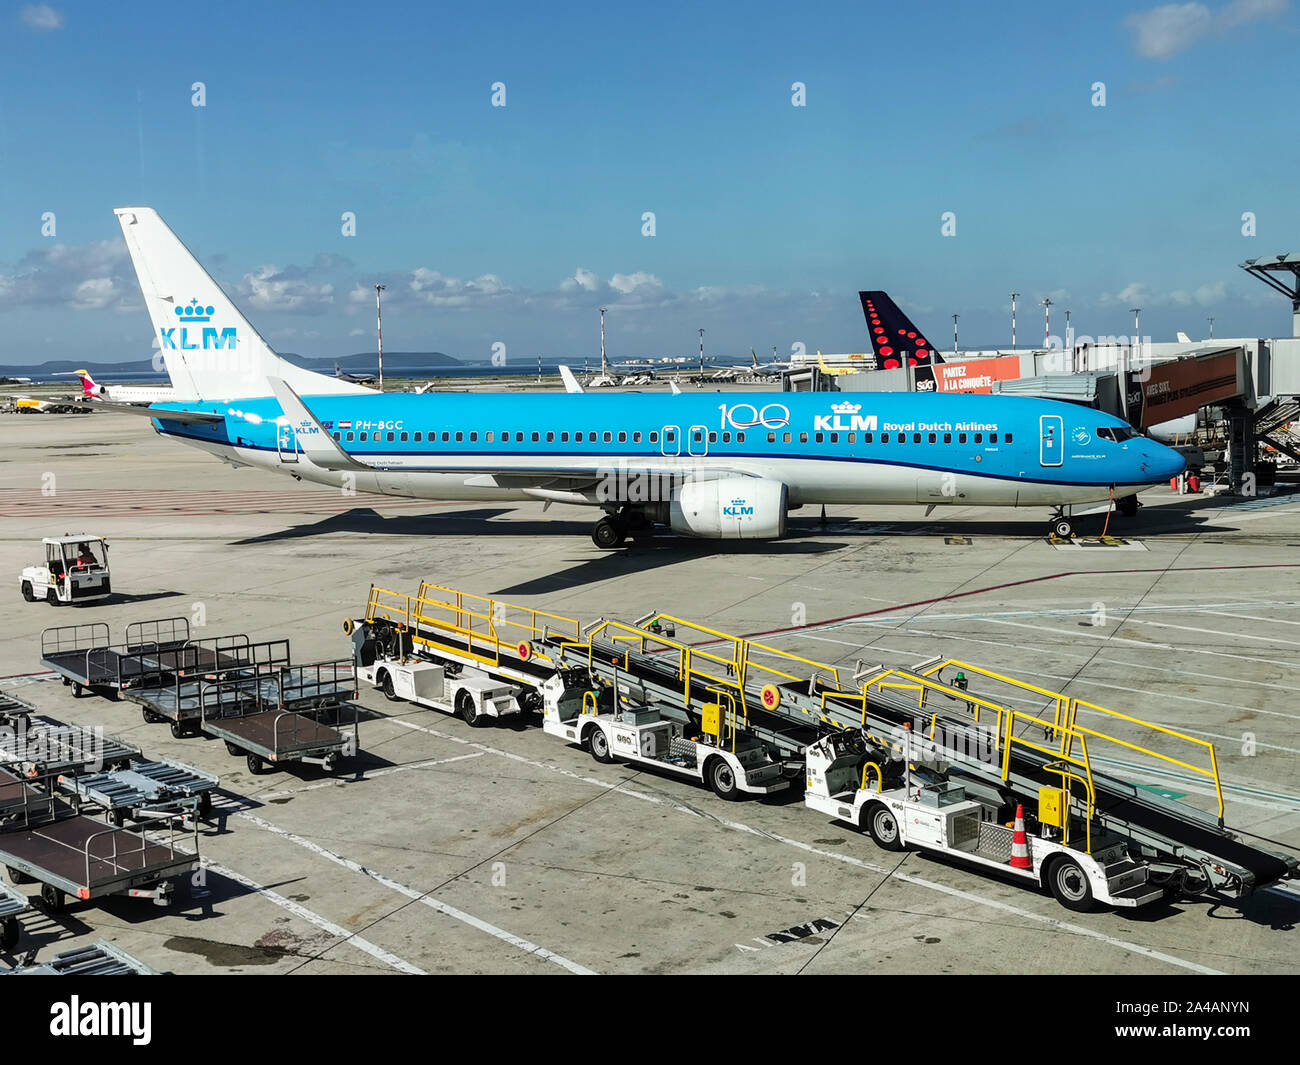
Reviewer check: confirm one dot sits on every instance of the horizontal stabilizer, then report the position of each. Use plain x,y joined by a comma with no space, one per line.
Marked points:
198,417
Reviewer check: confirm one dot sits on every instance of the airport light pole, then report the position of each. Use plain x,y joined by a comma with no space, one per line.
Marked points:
603,368
1137,328
379,325
1047,320
954,334
1211,328
1013,320
701,351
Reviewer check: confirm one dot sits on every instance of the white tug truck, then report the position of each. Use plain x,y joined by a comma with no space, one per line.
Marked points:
386,658
904,798
717,752
75,570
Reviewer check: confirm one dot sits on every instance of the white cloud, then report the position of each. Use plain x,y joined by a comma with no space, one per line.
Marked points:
1139,294
268,288
583,280
41,17
1165,31
95,293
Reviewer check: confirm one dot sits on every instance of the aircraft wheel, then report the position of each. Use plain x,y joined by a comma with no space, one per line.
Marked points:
1063,528
607,534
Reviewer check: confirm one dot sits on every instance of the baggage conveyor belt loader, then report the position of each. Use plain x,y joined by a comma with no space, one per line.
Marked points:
908,757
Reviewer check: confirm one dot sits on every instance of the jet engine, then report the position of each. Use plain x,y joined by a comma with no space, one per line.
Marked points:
731,508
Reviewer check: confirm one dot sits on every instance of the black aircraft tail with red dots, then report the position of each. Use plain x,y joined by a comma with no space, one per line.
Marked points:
896,340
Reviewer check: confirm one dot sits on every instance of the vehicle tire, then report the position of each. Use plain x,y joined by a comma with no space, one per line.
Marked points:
721,778
204,808
28,594
466,710
16,877
607,534
179,730
53,899
9,932
78,692
52,597
1062,528
255,764
118,817
232,749
332,762
386,686
147,715
598,744
1069,885
881,824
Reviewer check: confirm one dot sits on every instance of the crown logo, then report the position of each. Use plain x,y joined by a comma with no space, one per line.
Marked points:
194,311
846,408
737,502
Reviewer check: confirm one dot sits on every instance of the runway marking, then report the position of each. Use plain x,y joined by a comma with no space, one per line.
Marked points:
312,917
345,781
1227,636
1064,926
422,897
1251,617
32,503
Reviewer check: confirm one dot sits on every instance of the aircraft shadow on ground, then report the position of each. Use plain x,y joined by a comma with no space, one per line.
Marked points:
122,598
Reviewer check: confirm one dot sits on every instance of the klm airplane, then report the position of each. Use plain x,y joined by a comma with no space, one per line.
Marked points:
716,465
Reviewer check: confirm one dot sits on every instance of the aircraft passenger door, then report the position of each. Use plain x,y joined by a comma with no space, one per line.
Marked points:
1051,432
286,443
670,440
698,443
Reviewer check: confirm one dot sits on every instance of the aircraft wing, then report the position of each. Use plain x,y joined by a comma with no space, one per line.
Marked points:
201,417
319,445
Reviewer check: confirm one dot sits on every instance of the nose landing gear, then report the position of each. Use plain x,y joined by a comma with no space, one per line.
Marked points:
1061,526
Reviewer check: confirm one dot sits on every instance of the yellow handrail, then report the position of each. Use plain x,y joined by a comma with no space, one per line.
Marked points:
1086,781
880,779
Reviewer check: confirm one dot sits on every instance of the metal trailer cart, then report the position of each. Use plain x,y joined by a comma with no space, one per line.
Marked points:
160,787
101,958
45,839
12,903
87,659
255,715
46,745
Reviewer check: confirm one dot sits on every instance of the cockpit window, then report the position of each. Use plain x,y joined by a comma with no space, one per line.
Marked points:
1117,434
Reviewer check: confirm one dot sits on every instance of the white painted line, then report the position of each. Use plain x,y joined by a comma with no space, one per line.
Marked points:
1064,926
342,782
320,922
421,897
1227,637
1006,907
1250,617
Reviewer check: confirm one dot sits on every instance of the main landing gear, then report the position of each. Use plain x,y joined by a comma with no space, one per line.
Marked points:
613,529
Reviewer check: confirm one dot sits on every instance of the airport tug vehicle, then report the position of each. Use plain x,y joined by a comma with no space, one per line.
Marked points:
75,571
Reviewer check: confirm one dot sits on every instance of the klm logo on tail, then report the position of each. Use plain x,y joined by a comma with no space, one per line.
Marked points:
184,338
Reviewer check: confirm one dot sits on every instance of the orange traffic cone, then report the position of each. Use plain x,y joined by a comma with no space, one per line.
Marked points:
1019,844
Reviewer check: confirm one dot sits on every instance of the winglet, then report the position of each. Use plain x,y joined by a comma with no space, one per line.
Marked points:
570,382
313,438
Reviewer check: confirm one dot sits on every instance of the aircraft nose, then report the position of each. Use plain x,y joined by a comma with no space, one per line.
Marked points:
1163,463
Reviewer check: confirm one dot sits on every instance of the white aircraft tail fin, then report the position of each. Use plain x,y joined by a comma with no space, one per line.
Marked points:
570,382
210,349
1183,338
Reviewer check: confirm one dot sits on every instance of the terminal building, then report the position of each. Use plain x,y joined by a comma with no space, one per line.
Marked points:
1230,403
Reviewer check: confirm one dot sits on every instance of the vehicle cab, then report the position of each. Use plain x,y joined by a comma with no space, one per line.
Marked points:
75,570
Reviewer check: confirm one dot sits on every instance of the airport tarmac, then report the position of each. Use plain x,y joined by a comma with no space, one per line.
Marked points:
445,849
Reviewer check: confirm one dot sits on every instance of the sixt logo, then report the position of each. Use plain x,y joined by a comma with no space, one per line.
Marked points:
185,338
738,508
844,418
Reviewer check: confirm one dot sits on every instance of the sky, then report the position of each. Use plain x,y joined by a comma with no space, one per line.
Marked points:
744,169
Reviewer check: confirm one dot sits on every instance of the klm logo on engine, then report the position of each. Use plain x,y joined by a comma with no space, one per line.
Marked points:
845,419
193,338
737,508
